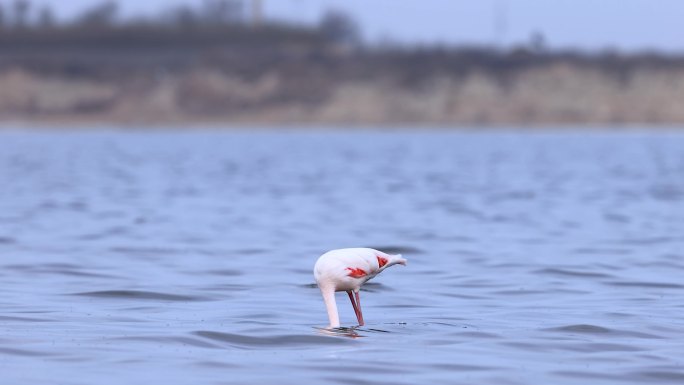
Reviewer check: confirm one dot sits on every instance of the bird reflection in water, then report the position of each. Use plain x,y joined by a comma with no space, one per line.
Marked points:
350,332
340,332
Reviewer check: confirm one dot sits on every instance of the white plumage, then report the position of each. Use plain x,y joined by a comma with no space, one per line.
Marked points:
347,270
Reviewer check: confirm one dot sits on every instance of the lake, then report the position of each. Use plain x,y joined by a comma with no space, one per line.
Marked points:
161,256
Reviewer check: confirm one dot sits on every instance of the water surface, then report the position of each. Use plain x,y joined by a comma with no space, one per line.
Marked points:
168,257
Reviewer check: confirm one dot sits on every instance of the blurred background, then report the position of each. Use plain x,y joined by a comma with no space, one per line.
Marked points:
549,251
334,62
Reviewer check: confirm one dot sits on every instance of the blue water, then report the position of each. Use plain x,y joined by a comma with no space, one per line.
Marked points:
175,258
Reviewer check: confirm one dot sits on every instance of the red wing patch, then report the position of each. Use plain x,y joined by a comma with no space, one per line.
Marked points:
356,272
381,261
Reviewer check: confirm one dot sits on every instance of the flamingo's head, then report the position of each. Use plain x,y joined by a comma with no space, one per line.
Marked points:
396,260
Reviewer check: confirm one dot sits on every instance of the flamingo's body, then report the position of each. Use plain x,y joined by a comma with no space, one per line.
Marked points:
347,270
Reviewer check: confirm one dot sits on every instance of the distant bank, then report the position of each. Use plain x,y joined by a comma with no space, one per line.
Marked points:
274,75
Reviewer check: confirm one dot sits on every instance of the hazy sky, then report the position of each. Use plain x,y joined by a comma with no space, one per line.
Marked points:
588,24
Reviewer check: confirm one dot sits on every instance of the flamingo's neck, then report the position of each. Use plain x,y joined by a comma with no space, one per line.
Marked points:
328,292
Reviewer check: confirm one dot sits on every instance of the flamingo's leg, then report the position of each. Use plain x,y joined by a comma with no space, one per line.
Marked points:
357,307
359,316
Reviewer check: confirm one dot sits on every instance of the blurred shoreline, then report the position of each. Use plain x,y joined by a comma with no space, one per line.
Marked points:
188,71
559,92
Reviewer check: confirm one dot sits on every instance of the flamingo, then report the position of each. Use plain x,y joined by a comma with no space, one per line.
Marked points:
347,270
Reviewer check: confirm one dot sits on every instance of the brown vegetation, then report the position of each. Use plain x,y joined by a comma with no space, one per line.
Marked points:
199,69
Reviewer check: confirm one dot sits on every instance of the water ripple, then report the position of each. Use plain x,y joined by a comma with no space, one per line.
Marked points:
136,294
661,375
598,347
599,330
22,319
398,249
270,341
655,285
589,375
7,240
571,273
24,352
462,367
174,339
57,268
